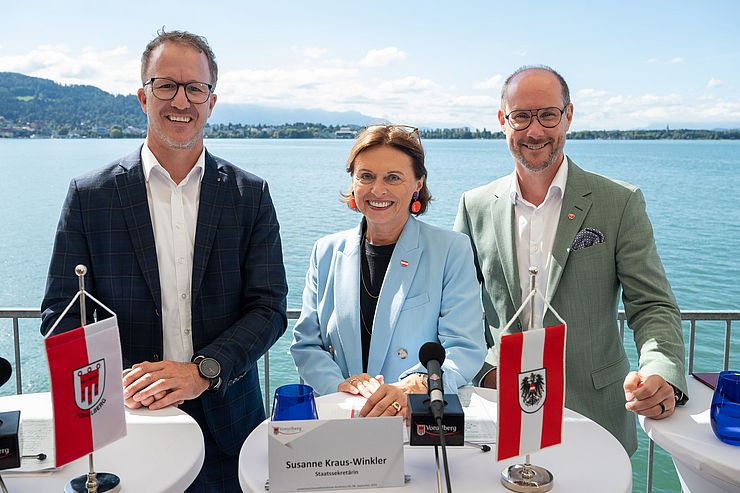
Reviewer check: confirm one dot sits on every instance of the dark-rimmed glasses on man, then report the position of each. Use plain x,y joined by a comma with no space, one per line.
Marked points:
166,89
548,117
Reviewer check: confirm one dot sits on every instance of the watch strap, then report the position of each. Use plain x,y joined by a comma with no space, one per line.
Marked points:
214,384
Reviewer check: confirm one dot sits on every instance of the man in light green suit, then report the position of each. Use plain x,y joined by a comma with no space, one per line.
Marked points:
589,236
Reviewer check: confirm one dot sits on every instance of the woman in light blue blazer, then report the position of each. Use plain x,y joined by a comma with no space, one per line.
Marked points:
376,293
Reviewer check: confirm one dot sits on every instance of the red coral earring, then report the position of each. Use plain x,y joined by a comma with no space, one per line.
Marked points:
415,204
352,203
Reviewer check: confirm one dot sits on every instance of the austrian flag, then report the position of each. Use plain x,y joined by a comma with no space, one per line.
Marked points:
86,390
531,391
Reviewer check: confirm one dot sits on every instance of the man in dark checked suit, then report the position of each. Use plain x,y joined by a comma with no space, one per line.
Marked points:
184,247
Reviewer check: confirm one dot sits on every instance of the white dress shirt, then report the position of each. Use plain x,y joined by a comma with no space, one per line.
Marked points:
534,231
174,212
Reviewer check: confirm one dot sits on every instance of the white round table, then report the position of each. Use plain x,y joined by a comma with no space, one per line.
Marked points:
162,452
704,464
589,459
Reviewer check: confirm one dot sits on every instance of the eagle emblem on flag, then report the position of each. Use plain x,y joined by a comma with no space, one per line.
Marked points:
532,390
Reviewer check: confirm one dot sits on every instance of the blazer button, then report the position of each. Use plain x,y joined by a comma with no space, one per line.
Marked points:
402,353
156,312
155,357
331,349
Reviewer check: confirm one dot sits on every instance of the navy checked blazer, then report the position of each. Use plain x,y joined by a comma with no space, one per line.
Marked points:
238,296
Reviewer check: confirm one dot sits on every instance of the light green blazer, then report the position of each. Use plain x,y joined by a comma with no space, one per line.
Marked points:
584,286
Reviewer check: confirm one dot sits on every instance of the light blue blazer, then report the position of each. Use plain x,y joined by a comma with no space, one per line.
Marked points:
430,293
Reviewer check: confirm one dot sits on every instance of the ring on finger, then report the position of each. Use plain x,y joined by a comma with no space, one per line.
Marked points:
662,407
354,381
395,405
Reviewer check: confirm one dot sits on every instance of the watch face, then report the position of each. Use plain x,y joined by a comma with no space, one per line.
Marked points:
209,368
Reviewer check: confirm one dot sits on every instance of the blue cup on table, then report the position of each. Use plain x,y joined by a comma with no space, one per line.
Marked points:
294,401
725,411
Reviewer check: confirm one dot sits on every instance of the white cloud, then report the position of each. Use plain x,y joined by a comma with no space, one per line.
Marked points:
671,61
309,52
495,82
604,110
394,93
382,57
714,83
589,94
409,83
113,70
672,99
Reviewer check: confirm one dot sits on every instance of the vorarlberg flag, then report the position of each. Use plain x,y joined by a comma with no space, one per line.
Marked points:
86,389
531,389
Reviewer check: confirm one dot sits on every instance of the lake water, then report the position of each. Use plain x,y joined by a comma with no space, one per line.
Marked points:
688,185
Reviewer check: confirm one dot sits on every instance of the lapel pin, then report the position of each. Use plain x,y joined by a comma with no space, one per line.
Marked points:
571,216
405,263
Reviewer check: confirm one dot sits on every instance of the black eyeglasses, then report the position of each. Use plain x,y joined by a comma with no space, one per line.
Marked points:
166,89
548,117
406,128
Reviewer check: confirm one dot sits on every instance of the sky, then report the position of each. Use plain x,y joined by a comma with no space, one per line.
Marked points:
629,64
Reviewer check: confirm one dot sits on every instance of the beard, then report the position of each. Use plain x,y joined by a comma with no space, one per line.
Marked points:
178,145
556,150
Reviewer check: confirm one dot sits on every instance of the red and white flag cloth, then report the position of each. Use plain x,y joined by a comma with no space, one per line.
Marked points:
86,389
531,391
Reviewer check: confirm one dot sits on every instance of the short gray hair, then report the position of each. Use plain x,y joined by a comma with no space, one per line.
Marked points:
524,68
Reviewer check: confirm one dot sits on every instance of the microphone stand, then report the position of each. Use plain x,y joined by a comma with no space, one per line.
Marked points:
443,446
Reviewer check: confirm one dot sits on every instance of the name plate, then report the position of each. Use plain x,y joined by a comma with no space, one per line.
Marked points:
335,454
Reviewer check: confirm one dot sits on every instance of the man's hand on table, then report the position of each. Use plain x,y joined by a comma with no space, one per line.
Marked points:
161,384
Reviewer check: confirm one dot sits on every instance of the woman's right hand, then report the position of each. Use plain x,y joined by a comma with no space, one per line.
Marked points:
362,384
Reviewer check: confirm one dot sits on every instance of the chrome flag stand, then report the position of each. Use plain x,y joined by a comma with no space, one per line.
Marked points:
528,478
92,482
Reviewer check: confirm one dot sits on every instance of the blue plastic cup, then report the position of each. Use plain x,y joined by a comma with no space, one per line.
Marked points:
725,411
294,401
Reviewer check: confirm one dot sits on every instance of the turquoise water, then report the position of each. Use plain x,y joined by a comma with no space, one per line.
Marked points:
689,187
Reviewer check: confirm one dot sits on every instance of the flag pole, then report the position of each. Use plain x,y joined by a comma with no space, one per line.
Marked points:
526,478
90,483
92,480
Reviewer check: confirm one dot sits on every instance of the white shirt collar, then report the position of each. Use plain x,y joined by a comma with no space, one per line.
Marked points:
557,186
149,161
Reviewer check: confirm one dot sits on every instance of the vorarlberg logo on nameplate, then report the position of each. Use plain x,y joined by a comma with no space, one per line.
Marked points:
335,454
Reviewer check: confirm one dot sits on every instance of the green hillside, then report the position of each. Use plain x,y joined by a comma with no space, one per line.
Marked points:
25,100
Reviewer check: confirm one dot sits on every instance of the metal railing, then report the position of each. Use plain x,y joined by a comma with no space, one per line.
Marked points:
16,314
691,316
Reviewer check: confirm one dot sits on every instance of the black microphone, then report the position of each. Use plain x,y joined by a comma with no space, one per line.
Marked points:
432,355
5,371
